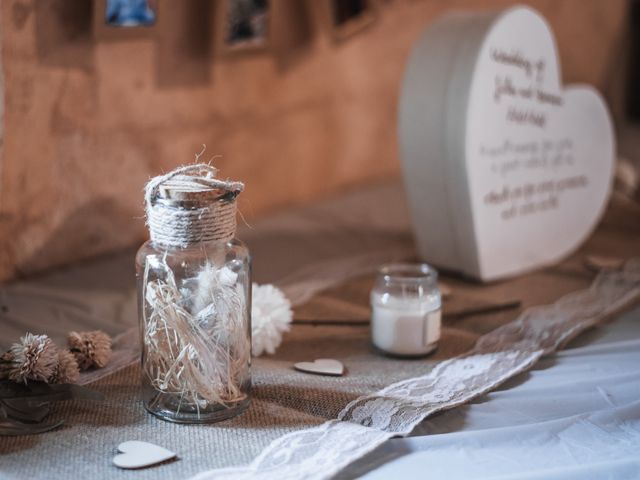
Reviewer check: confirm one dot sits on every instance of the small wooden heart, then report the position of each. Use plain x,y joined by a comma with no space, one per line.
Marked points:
597,263
321,366
136,454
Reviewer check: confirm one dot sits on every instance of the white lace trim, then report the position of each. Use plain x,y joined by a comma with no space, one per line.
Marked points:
365,423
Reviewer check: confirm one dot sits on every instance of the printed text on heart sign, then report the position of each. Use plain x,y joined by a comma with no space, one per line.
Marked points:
550,161
510,157
532,197
547,164
523,86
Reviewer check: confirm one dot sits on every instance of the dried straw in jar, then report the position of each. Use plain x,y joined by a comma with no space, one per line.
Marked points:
202,357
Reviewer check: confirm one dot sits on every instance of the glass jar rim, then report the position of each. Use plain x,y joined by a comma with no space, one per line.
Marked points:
405,272
195,204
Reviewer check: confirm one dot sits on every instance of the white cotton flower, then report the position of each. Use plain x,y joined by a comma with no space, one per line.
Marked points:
211,280
271,316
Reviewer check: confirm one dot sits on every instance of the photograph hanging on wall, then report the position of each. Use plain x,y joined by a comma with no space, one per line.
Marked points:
130,13
247,23
348,17
117,20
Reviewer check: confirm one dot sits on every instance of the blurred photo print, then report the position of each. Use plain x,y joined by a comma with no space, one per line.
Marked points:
247,23
350,16
130,13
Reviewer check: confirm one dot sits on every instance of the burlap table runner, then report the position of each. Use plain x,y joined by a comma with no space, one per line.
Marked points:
283,400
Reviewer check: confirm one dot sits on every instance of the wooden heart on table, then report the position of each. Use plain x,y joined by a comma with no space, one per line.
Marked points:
136,454
505,169
321,366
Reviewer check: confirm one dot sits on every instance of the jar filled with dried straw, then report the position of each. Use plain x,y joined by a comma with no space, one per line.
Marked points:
194,292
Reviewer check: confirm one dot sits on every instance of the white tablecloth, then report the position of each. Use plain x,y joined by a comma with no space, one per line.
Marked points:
576,415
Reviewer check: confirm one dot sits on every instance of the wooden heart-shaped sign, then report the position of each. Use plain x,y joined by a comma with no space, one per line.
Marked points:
505,169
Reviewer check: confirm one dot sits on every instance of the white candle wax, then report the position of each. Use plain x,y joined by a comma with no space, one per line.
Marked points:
405,326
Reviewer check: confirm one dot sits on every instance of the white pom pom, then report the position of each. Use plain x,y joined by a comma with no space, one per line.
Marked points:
271,316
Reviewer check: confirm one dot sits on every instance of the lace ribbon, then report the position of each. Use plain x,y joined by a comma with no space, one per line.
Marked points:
364,424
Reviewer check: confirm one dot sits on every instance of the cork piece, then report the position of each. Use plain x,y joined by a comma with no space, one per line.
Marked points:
188,190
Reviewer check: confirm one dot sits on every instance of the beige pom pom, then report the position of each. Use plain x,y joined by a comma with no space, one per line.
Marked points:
66,370
91,349
33,358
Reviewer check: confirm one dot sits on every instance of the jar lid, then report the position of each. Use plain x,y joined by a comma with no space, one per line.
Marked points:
190,205
195,191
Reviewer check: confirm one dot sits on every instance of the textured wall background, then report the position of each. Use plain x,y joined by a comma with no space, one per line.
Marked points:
89,115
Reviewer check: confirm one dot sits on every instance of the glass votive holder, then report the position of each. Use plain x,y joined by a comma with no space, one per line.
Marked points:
406,309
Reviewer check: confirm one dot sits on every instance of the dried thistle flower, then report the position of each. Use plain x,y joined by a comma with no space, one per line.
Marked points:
33,358
67,370
91,349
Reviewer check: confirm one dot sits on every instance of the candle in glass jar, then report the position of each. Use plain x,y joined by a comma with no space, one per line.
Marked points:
406,310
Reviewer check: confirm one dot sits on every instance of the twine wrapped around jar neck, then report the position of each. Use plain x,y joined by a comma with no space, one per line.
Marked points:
189,205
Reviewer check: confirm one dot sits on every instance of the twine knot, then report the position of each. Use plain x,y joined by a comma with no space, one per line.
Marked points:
190,205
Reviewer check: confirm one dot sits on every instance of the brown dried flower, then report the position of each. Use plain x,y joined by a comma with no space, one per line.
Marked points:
66,370
33,358
91,349
6,361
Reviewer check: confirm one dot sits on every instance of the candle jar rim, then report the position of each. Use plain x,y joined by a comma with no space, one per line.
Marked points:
409,273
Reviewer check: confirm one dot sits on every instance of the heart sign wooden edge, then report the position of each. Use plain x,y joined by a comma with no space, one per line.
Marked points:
505,169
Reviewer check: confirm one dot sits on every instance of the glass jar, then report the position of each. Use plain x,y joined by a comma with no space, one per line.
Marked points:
194,299
406,309
194,309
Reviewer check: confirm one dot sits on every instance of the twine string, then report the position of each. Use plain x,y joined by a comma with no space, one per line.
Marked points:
202,221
